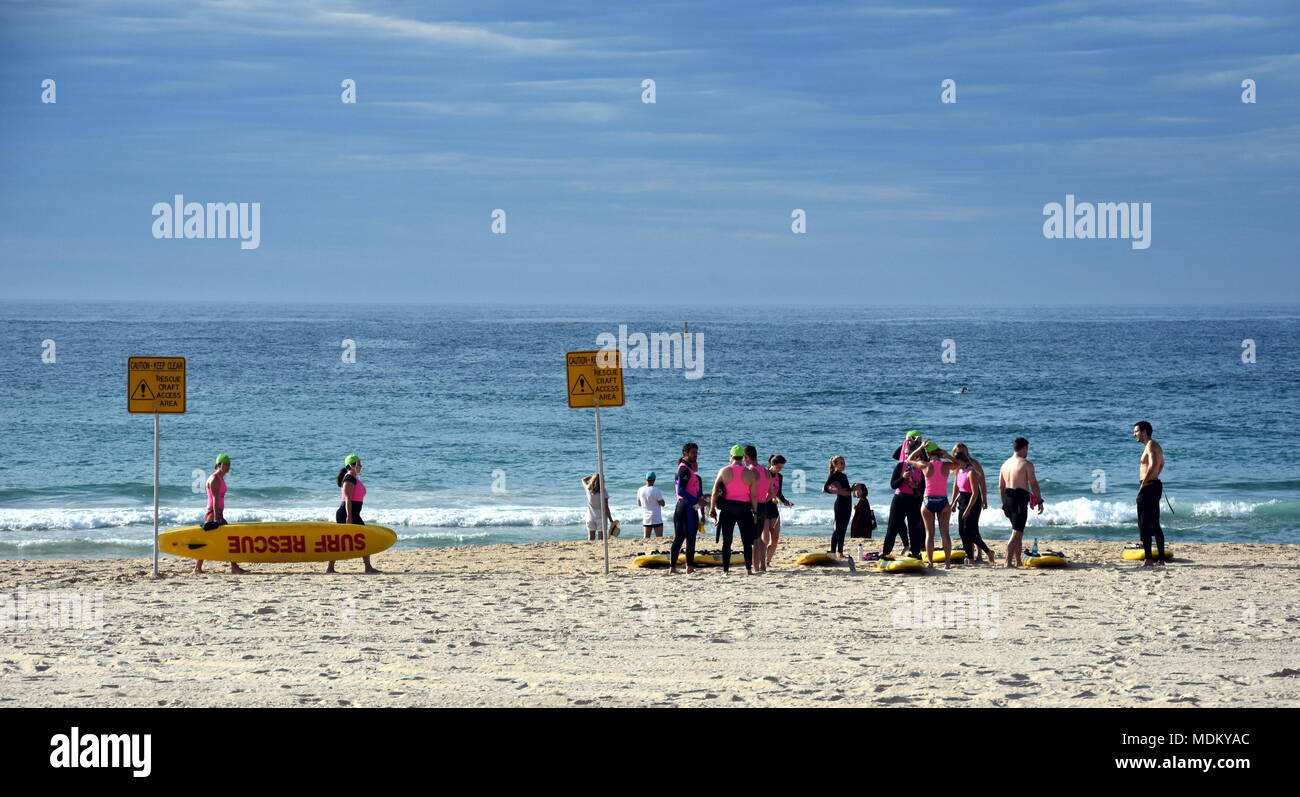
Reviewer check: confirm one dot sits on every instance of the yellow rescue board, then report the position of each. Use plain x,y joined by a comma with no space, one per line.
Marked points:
817,559
1139,554
902,564
277,542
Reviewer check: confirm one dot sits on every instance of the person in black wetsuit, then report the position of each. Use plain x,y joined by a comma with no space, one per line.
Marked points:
864,519
837,484
904,480
686,516
1150,489
735,485
908,483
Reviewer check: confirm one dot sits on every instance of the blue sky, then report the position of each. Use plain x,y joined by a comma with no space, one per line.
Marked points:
535,108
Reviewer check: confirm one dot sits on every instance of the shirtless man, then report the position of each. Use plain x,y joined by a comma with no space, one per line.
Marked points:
736,486
1017,484
1149,491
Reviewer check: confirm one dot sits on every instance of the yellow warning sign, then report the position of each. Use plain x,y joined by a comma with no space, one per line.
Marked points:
594,375
155,384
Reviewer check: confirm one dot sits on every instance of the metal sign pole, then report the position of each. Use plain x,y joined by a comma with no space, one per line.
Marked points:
156,430
600,468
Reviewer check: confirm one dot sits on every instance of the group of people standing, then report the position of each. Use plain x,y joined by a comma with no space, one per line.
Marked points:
930,486
924,502
745,496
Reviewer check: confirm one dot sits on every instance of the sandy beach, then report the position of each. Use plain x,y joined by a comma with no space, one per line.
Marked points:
541,625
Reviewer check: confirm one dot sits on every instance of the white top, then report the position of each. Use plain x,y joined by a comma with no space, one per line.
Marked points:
594,511
649,497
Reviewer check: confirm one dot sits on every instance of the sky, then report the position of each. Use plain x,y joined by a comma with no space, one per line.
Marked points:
536,109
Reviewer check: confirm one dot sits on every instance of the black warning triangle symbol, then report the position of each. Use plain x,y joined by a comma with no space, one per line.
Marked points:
581,387
142,392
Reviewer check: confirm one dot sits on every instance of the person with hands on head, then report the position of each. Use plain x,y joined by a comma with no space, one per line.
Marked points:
595,498
929,459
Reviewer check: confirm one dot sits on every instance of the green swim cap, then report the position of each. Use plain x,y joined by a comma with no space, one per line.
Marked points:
931,447
737,451
222,458
352,459
913,433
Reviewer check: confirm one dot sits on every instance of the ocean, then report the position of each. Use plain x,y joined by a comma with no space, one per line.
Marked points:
459,413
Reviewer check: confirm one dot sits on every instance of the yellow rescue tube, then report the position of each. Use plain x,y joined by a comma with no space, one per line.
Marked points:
957,556
277,542
1046,560
1138,554
817,559
902,564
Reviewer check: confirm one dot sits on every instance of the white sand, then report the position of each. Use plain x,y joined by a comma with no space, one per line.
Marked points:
540,625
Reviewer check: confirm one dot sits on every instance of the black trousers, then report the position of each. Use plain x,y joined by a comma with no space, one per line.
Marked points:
733,514
843,509
969,528
685,525
1148,506
897,526
915,524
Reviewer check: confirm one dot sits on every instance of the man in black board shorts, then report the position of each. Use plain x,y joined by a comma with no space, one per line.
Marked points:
1017,484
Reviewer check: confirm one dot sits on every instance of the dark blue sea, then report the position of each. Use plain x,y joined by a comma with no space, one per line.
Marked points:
459,413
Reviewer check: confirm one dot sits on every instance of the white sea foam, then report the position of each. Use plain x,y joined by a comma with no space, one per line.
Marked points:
1070,512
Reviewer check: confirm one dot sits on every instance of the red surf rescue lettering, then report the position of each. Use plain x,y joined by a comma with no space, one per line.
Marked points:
335,543
280,543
